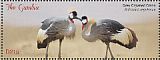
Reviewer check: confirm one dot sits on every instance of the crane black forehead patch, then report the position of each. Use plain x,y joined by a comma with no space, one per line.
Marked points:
84,17
74,13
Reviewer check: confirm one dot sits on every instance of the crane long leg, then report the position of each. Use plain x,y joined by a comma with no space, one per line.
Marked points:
59,54
111,52
107,50
47,52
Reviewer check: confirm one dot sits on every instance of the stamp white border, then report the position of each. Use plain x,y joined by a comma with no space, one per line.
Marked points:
32,58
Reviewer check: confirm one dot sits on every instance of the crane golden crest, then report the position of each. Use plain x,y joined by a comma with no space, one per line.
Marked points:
92,21
71,9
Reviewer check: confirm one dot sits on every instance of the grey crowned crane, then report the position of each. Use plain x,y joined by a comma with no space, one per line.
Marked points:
108,31
56,28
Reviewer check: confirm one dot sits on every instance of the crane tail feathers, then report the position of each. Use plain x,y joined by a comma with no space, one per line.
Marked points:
70,36
126,38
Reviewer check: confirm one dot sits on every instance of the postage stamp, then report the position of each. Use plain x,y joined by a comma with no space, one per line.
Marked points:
80,29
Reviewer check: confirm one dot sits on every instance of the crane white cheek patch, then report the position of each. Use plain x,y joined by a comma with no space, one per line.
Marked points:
71,15
84,21
42,34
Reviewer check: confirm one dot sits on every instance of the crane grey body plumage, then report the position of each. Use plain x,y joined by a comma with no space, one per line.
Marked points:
107,31
56,28
101,28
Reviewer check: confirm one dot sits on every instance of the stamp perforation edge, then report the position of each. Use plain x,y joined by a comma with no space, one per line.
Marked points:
159,26
81,59
80,0
1,29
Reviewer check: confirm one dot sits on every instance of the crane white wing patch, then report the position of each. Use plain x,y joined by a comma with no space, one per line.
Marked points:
125,36
42,34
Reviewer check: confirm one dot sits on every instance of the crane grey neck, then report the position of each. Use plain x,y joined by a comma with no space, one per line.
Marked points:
87,34
70,32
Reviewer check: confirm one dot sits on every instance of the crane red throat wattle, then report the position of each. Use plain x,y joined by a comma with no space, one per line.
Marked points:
82,26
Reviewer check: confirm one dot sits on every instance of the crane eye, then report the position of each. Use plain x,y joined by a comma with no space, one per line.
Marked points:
84,21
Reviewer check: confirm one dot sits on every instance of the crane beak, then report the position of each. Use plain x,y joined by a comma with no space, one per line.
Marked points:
92,21
41,36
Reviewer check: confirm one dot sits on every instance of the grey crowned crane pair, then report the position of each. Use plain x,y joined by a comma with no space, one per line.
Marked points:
106,30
